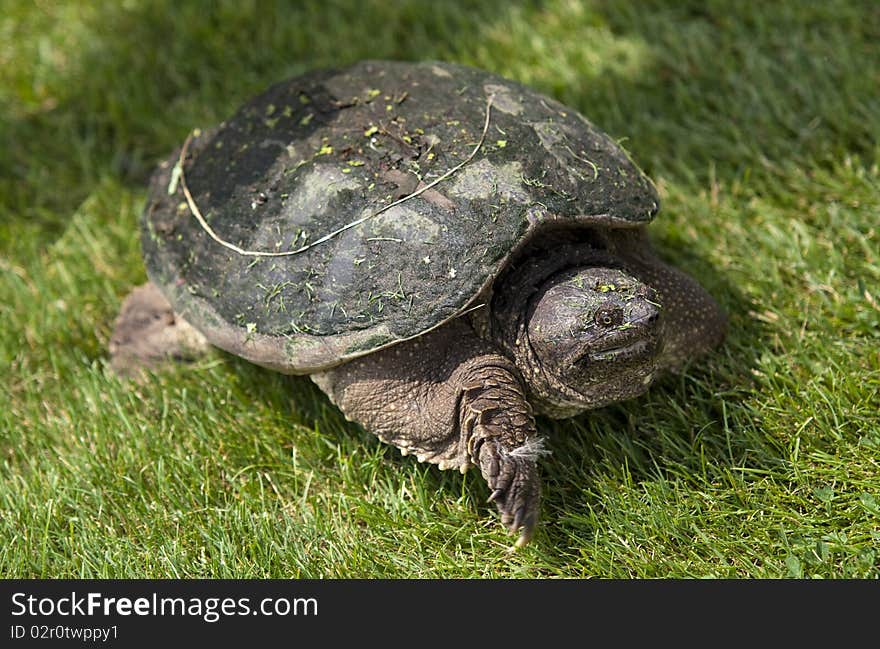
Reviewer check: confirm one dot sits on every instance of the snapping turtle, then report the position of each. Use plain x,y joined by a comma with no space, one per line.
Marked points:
444,251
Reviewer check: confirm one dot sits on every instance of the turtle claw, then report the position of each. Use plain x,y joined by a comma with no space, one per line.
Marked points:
522,541
517,520
516,490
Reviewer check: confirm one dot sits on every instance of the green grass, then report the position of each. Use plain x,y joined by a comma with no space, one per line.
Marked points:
759,122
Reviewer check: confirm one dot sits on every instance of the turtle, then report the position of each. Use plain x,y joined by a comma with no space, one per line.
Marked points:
446,252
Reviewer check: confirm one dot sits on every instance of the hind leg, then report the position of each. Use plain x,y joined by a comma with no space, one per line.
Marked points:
147,332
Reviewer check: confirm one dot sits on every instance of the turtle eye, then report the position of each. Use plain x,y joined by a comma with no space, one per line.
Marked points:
609,316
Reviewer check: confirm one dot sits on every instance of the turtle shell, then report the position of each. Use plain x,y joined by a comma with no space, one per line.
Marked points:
484,161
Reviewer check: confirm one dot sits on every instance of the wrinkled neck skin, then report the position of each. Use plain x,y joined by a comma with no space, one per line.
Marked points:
558,386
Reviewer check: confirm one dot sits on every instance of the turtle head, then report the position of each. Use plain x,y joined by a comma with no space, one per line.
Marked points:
594,336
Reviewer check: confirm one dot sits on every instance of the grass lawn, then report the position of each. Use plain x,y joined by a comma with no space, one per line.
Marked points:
759,122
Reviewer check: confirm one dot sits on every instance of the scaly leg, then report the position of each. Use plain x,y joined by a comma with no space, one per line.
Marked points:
449,398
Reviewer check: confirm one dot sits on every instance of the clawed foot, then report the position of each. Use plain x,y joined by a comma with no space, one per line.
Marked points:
516,488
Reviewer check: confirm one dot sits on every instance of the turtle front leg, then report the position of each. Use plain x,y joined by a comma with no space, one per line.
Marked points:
148,332
451,399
